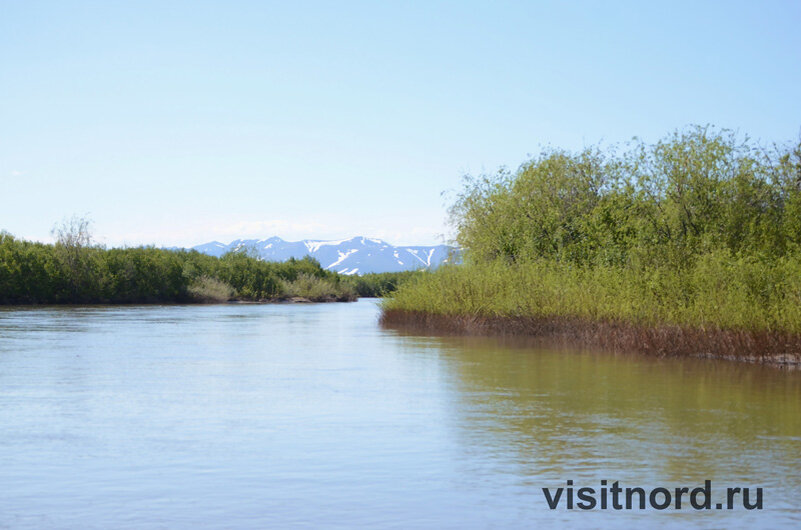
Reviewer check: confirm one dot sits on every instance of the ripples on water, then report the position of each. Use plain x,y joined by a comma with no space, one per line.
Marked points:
253,416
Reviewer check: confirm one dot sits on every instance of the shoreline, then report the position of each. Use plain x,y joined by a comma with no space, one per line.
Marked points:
762,347
266,301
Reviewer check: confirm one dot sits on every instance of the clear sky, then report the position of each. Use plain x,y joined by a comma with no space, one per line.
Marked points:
176,123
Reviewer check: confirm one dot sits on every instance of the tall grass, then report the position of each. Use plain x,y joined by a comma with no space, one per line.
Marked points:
210,290
718,292
316,289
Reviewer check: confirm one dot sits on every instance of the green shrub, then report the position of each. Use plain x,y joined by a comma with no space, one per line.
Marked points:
67,272
699,229
316,289
207,289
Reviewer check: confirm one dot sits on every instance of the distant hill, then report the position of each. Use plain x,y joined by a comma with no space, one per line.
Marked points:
358,255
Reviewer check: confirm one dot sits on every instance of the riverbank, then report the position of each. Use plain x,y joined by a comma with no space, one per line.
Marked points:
782,349
690,246
723,307
75,272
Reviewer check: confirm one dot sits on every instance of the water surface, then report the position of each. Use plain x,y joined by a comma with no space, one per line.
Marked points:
254,416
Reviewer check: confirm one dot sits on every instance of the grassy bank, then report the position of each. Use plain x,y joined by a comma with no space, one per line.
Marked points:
73,271
688,246
724,307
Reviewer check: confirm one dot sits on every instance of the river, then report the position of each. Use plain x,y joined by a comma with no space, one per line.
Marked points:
311,415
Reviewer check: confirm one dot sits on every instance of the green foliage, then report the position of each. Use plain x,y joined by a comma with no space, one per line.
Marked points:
698,229
379,284
667,203
719,291
316,289
72,271
206,289
73,240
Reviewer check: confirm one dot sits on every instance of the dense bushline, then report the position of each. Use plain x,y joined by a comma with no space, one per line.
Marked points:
665,204
71,271
700,230
374,285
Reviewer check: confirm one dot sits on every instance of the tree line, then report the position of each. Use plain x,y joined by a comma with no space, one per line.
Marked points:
697,191
701,229
75,271
72,271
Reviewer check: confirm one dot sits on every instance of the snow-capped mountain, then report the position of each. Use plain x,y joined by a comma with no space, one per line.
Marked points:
358,255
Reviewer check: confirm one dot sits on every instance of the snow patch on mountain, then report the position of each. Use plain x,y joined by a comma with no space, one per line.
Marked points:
358,255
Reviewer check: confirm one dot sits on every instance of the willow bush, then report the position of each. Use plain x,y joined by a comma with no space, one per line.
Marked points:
700,228
77,272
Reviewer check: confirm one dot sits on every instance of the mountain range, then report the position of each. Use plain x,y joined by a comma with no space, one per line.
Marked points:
358,255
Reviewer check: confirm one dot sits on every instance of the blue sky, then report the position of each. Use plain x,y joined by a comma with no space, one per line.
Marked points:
182,122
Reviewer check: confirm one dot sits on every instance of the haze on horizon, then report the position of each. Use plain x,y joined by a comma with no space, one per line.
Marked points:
187,122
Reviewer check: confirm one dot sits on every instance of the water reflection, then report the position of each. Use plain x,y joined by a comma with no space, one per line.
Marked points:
545,415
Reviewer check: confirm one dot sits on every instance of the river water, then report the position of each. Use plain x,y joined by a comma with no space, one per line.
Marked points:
311,415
